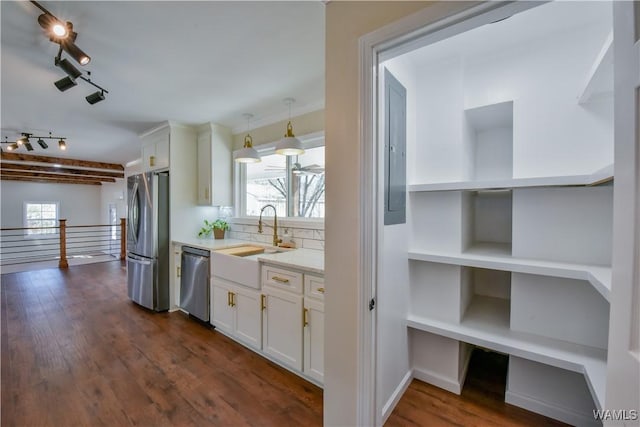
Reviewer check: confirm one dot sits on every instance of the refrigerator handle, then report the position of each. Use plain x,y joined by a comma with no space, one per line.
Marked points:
138,260
133,228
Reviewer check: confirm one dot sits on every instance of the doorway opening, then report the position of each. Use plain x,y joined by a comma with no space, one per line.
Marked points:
505,165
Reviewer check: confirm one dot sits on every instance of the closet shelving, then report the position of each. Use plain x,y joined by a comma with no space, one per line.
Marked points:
543,234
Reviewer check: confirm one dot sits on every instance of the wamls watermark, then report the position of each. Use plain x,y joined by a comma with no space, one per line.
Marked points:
615,414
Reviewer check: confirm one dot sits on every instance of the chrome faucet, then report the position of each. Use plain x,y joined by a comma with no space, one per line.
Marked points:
275,224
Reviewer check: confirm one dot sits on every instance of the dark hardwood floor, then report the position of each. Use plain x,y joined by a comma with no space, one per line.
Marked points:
76,351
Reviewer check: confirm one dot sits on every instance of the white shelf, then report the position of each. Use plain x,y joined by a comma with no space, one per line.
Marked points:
599,177
486,324
497,256
600,77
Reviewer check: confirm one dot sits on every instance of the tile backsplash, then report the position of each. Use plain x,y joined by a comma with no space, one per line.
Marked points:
308,238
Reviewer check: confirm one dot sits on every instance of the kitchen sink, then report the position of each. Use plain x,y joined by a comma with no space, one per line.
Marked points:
240,263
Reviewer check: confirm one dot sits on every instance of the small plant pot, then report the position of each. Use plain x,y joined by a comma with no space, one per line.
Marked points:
218,233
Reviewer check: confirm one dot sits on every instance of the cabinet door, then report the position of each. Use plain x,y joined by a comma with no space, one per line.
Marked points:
222,312
162,153
248,316
282,327
204,168
155,150
314,339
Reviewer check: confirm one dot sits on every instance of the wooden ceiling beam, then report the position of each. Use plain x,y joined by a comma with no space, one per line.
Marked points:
7,166
61,161
43,175
49,181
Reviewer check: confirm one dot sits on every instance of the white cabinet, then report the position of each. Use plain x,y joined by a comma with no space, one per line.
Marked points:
282,324
235,310
214,165
293,319
155,150
314,328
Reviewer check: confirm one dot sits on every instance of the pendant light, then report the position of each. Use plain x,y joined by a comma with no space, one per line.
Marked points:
247,154
289,145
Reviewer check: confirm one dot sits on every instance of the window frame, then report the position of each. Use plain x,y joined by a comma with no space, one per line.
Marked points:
25,220
312,140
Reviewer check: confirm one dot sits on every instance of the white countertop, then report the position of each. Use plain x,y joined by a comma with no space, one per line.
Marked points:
304,259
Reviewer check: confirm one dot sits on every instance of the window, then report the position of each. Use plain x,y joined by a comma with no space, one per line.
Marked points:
293,184
37,214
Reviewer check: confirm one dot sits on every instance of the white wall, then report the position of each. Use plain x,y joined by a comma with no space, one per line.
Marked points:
552,133
113,193
79,204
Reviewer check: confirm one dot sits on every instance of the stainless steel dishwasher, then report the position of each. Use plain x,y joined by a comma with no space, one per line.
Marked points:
194,282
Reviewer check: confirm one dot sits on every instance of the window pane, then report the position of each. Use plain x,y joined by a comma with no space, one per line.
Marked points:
307,181
41,215
267,184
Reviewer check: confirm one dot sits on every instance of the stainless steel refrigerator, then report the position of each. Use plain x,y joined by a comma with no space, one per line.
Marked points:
148,240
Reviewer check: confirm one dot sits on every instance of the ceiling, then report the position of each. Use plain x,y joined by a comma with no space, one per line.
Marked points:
191,62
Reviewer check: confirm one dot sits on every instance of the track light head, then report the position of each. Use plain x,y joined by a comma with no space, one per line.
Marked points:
12,147
75,52
28,146
68,67
95,97
42,143
65,83
62,145
22,140
56,29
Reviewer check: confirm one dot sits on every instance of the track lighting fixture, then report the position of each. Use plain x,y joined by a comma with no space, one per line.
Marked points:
289,145
25,140
61,33
247,154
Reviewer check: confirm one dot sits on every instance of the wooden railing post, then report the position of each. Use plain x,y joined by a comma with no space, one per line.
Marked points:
63,244
123,238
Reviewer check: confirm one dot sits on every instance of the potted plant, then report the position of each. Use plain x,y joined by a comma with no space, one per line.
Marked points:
218,227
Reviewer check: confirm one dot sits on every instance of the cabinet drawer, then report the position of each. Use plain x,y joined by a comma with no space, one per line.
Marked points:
281,278
314,287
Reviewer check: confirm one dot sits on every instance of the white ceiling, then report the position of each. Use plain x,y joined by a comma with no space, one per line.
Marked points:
191,62
545,21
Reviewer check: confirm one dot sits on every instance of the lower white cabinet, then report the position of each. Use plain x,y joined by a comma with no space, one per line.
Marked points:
314,339
282,323
235,310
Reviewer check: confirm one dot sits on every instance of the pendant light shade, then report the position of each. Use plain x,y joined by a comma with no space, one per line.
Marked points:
247,154
289,145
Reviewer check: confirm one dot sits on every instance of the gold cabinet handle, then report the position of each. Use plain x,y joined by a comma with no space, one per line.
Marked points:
305,317
229,298
152,161
233,299
321,290
280,279
206,193
263,301
178,272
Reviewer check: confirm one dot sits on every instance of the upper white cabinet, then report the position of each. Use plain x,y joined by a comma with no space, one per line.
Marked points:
155,149
214,165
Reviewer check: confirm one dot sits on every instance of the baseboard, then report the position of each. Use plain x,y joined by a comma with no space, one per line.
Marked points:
438,380
550,410
388,407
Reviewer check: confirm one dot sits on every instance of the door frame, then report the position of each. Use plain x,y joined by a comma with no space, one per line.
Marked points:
429,25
